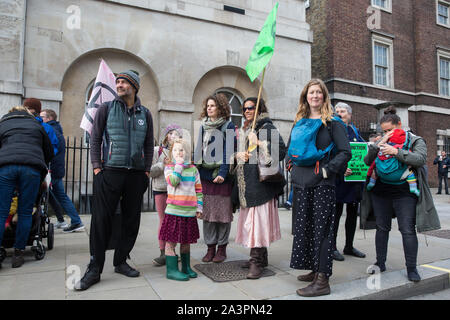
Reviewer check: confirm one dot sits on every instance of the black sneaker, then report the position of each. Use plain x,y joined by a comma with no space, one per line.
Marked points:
126,270
338,256
91,277
413,275
17,259
380,266
74,227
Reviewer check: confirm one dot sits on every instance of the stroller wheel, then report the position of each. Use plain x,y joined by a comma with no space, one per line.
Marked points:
50,236
39,251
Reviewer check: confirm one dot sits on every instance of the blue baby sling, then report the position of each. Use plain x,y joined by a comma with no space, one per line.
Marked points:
302,148
391,170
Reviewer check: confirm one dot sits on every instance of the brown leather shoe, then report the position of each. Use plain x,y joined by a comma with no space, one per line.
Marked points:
307,277
210,253
221,254
256,263
319,287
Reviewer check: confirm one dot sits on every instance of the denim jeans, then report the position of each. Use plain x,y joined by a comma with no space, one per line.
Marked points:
27,181
58,193
405,210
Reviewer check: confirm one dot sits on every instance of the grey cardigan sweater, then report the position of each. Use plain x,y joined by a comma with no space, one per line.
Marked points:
157,170
427,218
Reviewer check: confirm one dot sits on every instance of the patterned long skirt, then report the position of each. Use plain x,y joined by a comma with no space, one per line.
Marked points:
314,210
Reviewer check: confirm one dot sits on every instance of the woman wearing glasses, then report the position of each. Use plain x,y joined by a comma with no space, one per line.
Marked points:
258,223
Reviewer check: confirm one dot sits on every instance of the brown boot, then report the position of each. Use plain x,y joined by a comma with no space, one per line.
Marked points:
319,287
210,253
256,263
265,261
221,253
307,277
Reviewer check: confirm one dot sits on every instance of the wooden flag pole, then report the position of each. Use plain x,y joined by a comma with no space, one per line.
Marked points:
259,98
253,147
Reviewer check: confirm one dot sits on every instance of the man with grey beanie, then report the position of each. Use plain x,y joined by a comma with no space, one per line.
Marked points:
121,155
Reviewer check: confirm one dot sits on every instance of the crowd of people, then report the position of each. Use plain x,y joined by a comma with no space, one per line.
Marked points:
227,171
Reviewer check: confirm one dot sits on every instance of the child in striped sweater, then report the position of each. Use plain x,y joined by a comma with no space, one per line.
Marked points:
184,206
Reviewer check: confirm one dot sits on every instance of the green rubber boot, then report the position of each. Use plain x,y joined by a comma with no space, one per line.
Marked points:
172,271
186,265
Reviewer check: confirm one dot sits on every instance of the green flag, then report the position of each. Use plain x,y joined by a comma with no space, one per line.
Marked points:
263,49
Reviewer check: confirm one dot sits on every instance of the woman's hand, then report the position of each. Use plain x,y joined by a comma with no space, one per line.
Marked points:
166,161
348,172
253,138
218,179
199,215
388,150
97,170
243,156
386,137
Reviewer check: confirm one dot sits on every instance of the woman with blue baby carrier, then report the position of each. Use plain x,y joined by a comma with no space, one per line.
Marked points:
391,194
319,150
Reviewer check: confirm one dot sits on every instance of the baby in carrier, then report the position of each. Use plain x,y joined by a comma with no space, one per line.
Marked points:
389,169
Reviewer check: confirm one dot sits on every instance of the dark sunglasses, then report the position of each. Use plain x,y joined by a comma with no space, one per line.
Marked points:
248,108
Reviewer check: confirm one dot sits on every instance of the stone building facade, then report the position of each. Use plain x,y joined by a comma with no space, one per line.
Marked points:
373,53
184,50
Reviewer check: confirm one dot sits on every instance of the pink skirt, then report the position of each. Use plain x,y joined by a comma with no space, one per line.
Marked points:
258,226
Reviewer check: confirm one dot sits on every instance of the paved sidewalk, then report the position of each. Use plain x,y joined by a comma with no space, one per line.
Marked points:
47,279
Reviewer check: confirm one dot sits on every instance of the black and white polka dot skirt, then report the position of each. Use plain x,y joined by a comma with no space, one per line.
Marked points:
314,210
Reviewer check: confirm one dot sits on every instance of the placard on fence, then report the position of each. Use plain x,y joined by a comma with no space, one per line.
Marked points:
356,164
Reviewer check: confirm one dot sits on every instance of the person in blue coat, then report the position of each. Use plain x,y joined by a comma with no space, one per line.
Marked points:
34,106
349,193
58,197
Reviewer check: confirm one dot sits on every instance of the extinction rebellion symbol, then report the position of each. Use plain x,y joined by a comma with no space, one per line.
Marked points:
141,122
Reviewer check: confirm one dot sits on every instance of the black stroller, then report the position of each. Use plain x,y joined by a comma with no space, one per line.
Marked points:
41,228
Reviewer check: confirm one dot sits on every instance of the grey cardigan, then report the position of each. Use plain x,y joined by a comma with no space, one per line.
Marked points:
427,218
157,170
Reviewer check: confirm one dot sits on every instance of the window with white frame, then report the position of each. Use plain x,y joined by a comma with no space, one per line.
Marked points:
444,73
235,102
442,12
382,51
385,5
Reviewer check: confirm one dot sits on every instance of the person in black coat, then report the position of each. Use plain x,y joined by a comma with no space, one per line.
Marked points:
443,163
349,193
314,200
258,223
25,151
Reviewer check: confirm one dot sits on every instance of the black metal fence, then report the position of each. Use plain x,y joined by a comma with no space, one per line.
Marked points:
79,175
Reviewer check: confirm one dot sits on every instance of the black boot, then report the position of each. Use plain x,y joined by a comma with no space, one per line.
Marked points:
91,277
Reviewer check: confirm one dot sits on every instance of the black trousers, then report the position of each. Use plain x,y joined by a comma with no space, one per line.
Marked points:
443,177
350,223
111,186
405,210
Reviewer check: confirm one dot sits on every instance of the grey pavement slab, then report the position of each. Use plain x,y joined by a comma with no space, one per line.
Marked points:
52,277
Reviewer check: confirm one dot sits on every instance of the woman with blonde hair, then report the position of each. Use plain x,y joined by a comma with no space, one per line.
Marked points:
318,148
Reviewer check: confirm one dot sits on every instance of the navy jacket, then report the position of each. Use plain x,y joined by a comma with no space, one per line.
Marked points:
57,166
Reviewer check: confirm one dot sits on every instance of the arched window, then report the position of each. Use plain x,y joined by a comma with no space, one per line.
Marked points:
235,102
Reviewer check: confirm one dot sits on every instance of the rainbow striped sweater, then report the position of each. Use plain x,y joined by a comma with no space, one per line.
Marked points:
184,190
